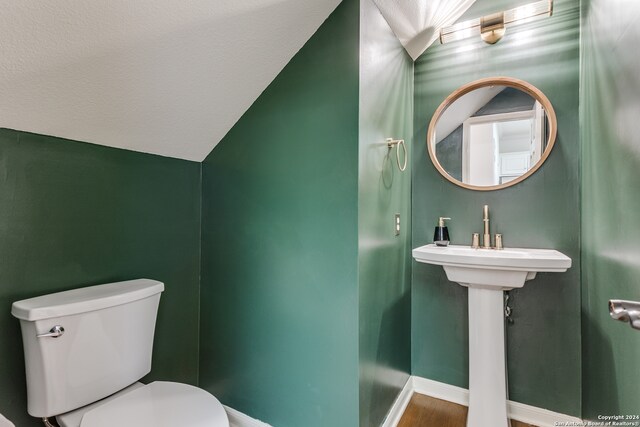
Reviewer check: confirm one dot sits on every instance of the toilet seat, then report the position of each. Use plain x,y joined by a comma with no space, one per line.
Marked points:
159,404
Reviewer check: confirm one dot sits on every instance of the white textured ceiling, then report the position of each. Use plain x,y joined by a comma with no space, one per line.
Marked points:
168,77
417,23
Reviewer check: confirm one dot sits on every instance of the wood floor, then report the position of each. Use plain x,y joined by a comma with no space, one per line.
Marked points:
425,411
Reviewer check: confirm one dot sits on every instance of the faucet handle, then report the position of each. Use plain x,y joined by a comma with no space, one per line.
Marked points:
475,241
498,241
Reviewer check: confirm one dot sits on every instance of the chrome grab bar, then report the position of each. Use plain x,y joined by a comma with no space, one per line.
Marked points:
55,332
625,311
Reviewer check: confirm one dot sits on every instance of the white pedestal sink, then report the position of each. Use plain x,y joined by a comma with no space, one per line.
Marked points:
487,273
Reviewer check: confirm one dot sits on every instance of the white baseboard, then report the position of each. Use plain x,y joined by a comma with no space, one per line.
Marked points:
540,417
238,419
439,390
400,404
516,411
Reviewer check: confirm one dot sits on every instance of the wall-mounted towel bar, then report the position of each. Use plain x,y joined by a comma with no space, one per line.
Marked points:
625,311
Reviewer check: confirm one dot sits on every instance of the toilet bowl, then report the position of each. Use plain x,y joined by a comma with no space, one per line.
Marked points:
159,404
90,346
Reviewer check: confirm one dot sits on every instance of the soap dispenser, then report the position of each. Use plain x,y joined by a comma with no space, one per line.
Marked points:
441,235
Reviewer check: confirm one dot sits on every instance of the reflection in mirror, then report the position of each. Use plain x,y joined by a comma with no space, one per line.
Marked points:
491,136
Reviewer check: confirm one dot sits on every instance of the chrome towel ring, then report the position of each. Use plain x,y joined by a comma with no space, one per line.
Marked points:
397,143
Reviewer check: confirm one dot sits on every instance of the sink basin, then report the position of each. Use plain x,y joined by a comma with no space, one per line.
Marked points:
498,269
487,273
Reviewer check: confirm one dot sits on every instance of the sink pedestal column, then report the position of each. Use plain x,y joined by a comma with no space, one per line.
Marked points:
487,365
487,273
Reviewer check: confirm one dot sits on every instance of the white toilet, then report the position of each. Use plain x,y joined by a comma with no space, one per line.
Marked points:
86,349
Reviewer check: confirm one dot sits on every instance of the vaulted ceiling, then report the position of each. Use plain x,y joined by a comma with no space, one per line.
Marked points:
168,77
417,23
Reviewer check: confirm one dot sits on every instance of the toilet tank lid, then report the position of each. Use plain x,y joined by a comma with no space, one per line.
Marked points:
85,299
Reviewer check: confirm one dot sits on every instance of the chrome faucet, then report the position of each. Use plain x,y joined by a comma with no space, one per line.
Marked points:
486,236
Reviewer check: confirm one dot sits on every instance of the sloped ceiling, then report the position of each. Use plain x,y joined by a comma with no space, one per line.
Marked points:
464,107
417,23
168,77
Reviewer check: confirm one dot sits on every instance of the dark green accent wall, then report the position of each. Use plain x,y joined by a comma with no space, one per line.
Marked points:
610,93
74,214
449,153
544,343
279,294
312,312
384,264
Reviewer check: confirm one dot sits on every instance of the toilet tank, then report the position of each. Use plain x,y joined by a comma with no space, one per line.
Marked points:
106,344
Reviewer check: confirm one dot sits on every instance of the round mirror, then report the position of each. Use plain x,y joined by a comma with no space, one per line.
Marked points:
492,133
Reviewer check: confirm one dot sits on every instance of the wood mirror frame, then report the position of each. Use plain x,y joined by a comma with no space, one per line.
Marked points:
528,88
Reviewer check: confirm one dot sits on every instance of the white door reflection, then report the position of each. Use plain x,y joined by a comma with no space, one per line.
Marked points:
498,148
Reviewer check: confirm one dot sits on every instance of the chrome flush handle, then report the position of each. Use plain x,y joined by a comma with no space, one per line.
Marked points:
55,332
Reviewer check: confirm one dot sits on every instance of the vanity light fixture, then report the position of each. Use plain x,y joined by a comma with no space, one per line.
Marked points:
492,27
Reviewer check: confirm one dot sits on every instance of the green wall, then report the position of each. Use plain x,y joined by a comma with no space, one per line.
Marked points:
544,356
384,266
74,214
610,90
310,307
279,295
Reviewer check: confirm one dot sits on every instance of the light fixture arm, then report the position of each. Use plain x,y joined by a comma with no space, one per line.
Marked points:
492,27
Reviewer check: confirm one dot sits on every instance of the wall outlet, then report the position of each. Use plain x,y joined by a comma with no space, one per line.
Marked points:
396,224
